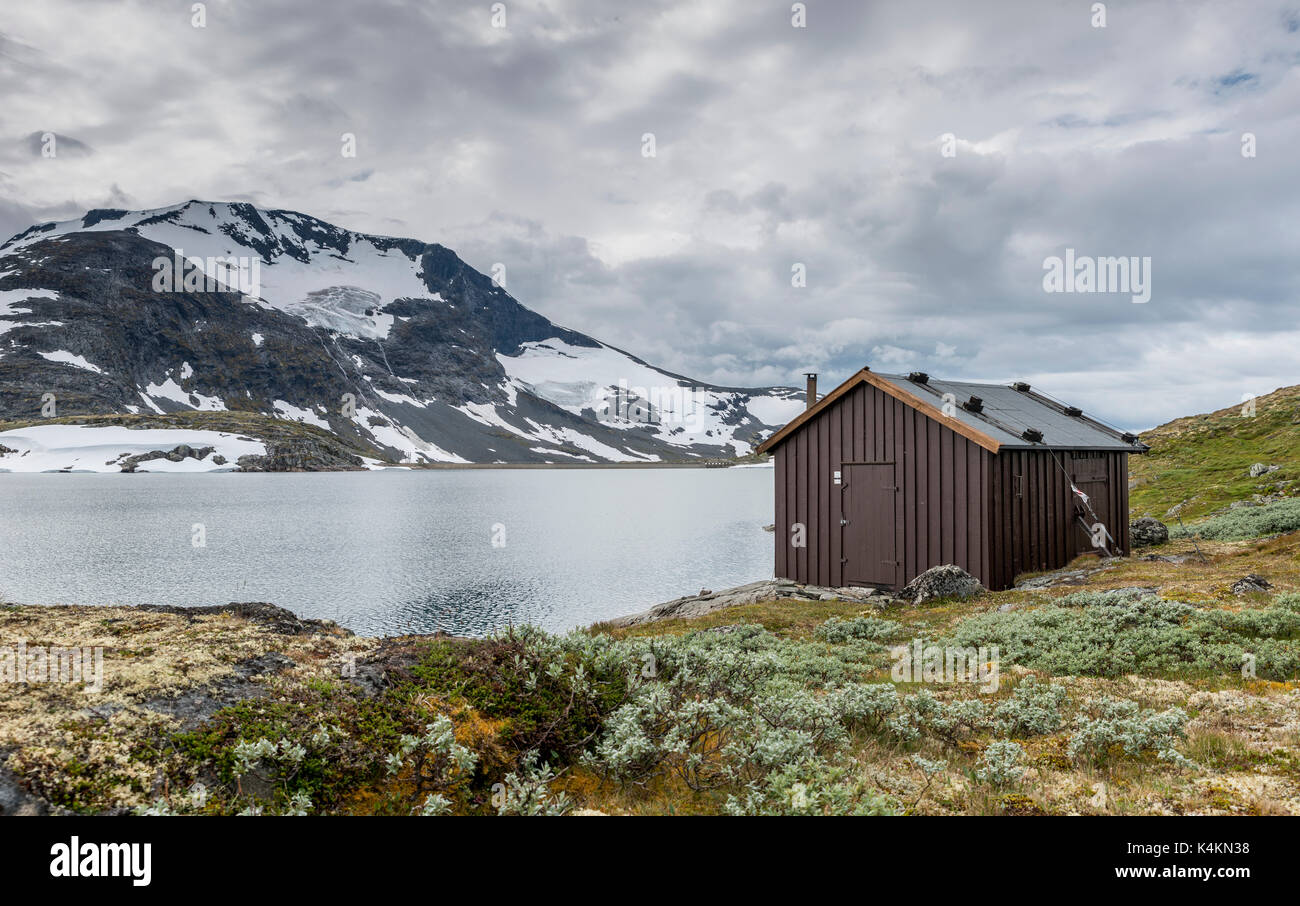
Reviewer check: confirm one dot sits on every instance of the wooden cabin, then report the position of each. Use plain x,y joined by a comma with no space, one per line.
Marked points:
889,475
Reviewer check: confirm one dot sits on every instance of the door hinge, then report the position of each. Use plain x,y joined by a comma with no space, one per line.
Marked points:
844,522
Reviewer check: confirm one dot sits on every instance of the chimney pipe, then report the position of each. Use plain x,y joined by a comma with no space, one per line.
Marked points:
811,395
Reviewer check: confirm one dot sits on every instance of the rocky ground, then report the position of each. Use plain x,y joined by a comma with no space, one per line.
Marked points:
248,708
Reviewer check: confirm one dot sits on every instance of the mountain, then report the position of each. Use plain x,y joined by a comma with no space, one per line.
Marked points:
396,347
1201,464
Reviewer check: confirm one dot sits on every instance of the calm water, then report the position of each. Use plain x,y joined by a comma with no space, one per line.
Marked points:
389,552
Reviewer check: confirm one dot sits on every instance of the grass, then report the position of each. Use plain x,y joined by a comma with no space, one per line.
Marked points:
1200,464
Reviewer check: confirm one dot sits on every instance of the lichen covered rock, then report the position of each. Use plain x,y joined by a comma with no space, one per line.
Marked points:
1147,531
947,581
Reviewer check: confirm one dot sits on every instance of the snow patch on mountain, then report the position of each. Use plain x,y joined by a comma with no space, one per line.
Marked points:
68,358
170,390
93,448
627,394
412,446
773,410
297,414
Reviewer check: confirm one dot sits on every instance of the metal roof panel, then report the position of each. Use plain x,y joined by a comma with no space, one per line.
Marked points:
1008,412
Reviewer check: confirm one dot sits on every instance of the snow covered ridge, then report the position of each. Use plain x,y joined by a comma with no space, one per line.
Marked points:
328,276
393,345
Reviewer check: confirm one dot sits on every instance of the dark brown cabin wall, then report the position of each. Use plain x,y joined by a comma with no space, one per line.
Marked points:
1124,511
899,454
801,506
780,521
835,421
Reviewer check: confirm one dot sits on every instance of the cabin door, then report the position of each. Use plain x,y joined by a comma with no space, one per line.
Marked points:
1091,475
868,524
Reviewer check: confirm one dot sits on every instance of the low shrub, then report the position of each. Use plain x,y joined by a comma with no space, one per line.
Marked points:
1110,727
1245,522
1001,764
1033,709
1113,635
872,629
810,787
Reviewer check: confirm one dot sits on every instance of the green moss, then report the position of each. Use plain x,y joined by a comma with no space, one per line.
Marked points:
370,729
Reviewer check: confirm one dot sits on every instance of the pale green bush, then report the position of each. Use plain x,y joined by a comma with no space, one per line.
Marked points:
1033,709
810,787
436,760
871,629
1001,764
1246,522
528,792
1111,726
1114,635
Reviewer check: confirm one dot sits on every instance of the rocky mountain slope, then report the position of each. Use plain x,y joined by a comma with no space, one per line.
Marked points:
396,347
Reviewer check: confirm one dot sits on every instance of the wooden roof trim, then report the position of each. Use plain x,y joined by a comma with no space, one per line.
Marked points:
866,376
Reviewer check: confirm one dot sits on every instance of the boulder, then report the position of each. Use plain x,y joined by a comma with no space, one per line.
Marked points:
1249,583
176,454
1260,468
1147,531
946,581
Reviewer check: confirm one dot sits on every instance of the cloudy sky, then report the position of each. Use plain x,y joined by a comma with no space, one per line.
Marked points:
919,160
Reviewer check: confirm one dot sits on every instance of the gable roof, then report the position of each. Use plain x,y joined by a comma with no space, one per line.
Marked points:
1008,411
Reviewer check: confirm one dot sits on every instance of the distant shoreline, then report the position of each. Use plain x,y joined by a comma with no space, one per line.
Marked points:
579,465
419,467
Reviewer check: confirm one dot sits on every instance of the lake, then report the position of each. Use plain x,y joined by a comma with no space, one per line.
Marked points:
391,552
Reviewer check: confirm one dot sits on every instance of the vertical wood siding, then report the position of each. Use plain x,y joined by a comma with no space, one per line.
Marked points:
1032,525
